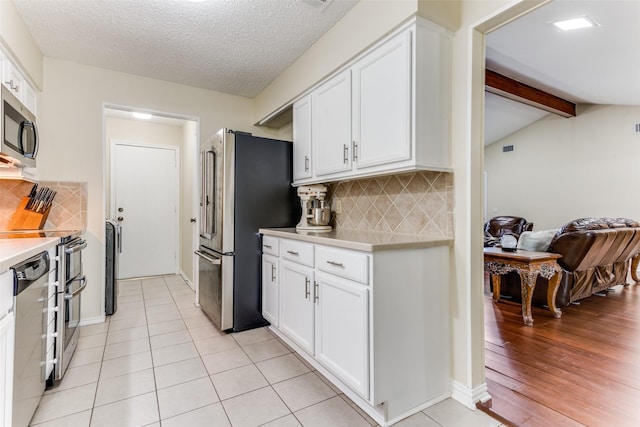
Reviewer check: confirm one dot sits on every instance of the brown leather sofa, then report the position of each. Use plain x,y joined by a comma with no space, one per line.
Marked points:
500,225
596,254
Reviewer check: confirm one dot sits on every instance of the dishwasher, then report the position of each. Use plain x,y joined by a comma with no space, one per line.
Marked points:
30,294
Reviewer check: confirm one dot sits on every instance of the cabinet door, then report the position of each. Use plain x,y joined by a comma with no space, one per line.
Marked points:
12,79
296,299
331,125
6,367
342,330
302,138
382,104
270,289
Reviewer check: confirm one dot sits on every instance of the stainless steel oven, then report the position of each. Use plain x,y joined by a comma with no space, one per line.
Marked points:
71,284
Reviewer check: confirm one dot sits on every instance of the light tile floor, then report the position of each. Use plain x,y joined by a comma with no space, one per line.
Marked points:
160,362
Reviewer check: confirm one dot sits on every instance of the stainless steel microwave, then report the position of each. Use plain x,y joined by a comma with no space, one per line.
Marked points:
18,131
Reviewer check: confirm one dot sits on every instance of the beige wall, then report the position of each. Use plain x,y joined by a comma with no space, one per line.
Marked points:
70,121
563,169
17,40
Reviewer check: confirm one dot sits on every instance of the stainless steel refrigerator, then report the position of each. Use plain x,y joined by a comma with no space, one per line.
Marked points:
245,185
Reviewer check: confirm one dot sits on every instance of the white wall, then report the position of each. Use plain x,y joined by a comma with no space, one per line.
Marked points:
562,169
188,194
71,130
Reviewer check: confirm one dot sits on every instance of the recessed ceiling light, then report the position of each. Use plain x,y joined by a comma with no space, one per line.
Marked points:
575,23
141,116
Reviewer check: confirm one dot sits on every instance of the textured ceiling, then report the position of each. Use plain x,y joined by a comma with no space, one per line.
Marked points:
231,46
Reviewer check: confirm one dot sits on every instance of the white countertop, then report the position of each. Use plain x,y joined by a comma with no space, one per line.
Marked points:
12,251
367,241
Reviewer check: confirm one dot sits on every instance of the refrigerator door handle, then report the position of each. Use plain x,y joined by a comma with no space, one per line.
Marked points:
211,260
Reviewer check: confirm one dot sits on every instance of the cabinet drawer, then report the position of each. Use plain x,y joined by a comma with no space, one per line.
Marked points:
343,263
299,252
270,245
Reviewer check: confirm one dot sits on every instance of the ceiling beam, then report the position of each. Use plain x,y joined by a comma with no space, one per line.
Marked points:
504,86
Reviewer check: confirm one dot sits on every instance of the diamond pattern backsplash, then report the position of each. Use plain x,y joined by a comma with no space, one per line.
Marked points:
414,203
68,211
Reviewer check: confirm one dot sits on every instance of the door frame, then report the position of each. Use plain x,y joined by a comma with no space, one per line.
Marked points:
112,175
194,178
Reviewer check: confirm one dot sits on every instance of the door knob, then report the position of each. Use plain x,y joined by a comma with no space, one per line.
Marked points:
120,218
120,209
192,220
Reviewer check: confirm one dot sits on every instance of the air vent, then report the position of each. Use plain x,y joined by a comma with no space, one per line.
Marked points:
637,127
507,148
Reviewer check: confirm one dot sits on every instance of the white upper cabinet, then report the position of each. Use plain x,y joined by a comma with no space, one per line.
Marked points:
382,104
331,125
302,138
387,111
17,84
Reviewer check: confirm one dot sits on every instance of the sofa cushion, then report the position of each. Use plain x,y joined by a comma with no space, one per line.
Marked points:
538,241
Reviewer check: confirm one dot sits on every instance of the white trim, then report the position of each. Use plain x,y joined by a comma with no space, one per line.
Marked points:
93,320
469,396
186,279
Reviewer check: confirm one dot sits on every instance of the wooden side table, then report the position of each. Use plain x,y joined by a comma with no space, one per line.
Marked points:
528,265
634,267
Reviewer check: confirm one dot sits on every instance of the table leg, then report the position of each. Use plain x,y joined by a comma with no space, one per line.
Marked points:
527,284
552,291
634,268
496,280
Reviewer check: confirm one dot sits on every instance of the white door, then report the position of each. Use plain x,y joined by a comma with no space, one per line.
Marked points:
270,292
145,201
302,138
297,311
382,104
331,125
342,343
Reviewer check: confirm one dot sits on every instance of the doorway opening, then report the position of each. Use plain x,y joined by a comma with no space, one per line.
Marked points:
151,189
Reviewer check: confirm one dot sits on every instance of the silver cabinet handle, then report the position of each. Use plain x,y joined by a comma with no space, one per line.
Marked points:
273,273
336,264
355,151
266,246
345,154
307,291
211,260
293,253
316,292
306,163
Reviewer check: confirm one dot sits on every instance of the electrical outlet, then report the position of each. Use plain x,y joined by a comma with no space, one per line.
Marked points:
337,207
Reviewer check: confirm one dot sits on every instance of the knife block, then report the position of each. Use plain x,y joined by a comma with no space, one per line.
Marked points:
24,219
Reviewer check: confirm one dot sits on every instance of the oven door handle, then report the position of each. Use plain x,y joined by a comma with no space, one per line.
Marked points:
83,284
211,260
77,247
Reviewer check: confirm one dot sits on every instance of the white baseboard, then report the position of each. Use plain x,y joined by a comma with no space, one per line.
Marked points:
186,279
469,396
93,320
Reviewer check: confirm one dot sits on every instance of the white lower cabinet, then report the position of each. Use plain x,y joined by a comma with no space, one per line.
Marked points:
270,289
7,333
374,322
297,305
342,330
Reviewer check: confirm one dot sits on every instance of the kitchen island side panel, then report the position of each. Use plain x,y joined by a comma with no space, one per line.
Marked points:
410,328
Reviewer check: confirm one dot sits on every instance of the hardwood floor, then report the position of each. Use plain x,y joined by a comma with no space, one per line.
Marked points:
582,369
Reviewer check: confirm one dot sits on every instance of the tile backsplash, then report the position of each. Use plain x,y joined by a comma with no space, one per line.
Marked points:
413,203
68,211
